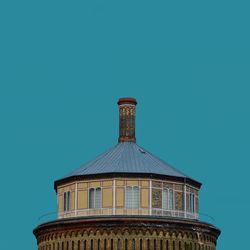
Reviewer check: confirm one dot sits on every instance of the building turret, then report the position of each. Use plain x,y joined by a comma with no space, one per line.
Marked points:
127,198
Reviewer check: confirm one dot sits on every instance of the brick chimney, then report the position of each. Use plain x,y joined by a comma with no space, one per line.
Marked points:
127,119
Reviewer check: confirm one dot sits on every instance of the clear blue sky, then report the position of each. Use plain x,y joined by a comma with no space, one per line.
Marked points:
64,64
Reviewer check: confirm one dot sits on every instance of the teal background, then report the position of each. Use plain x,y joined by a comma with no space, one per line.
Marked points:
64,64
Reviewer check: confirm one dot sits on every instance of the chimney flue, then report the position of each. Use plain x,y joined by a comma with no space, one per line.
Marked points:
127,119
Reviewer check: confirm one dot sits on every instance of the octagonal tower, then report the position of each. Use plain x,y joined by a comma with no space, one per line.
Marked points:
127,198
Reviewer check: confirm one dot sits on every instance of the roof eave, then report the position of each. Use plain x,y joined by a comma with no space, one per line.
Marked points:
115,175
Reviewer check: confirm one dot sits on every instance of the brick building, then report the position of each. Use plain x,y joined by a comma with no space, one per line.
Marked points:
127,199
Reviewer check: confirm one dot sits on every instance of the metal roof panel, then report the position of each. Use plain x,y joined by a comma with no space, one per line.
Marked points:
127,157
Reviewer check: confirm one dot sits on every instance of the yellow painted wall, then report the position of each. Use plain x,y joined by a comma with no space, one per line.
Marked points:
144,183
144,198
85,199
119,183
82,199
72,201
60,203
107,183
119,197
132,183
95,184
107,197
82,185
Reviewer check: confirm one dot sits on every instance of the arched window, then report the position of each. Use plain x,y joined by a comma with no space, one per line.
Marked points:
167,199
91,245
132,199
73,245
95,198
191,202
166,244
118,244
173,245
105,244
67,245
84,245
133,244
126,244
154,244
66,201
112,247
148,244
98,244
78,248
140,244
161,245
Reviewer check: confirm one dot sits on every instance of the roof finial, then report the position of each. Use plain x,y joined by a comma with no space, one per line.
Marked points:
127,119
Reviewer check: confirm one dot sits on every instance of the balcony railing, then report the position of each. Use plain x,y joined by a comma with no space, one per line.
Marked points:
128,211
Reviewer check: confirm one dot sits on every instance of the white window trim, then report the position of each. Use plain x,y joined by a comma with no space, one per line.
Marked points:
150,197
76,197
114,194
192,202
185,200
66,201
95,188
139,198
168,198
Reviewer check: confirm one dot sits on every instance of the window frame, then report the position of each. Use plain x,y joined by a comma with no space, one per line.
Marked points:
95,189
191,202
66,201
130,205
169,206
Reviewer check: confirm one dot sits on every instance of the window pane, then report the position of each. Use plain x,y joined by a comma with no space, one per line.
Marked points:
165,199
135,198
91,198
118,244
170,200
192,203
98,198
128,197
132,197
64,202
68,201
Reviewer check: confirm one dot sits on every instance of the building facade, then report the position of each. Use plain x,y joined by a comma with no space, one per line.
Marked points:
126,199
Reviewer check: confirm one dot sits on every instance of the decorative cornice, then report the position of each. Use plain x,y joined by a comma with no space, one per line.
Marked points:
129,223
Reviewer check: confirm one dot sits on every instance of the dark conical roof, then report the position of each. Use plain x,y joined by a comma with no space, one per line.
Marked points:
127,158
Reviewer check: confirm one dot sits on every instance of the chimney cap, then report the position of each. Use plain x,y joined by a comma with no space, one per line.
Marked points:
127,100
